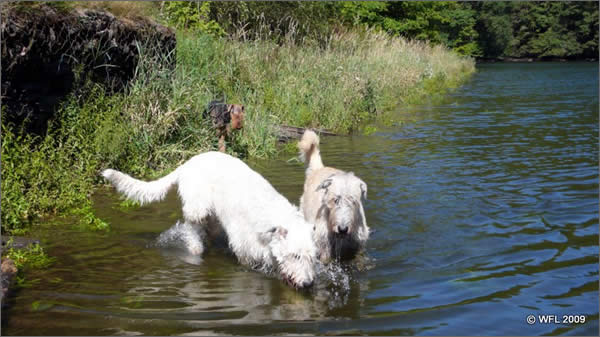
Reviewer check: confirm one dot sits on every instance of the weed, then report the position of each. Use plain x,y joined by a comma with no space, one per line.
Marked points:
88,220
126,204
31,257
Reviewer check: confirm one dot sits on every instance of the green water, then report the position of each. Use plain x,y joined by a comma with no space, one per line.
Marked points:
484,209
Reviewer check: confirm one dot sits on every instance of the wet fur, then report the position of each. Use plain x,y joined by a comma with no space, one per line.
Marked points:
264,230
332,200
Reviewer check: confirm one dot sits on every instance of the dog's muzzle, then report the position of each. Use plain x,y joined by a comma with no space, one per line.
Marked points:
291,283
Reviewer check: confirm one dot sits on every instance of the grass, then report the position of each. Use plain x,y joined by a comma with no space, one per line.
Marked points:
32,257
353,78
356,77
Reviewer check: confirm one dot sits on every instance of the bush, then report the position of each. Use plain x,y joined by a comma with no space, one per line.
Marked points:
192,16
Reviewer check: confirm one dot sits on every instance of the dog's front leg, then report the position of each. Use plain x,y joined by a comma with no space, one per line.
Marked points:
221,133
323,249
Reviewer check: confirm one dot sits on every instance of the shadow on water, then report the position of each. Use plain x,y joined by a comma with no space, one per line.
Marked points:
484,209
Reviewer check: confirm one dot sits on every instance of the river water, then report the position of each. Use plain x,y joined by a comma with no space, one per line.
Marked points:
484,208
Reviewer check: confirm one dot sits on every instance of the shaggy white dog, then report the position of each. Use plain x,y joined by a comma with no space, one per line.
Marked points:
263,229
332,200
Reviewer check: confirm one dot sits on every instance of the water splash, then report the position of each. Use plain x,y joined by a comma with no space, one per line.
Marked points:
184,238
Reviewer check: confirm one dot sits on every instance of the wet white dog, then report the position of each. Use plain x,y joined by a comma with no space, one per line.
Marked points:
332,200
263,229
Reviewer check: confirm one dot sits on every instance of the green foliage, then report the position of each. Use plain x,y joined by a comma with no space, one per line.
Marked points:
554,29
494,26
369,129
31,257
448,23
280,21
157,123
365,12
193,15
49,175
486,28
126,204
88,220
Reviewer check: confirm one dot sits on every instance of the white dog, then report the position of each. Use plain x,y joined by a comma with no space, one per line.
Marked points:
332,200
263,229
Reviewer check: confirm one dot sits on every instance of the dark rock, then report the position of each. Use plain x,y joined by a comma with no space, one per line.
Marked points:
44,48
18,242
8,277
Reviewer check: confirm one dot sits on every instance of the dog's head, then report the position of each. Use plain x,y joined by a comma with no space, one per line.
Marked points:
295,253
236,111
342,206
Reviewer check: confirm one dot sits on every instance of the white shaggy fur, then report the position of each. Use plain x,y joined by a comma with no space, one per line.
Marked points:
263,229
332,200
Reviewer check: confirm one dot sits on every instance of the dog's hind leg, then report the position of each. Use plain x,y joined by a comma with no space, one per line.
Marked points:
193,239
183,233
196,214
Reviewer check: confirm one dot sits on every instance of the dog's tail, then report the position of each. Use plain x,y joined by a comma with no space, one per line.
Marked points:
309,151
138,190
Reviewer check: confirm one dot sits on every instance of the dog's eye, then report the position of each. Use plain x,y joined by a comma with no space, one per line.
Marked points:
337,200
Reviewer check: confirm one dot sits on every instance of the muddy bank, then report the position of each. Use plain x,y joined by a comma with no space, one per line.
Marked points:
45,48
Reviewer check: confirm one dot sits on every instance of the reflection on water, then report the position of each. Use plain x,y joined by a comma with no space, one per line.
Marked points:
484,210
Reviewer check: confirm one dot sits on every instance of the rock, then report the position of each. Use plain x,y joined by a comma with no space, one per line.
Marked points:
18,242
43,45
9,270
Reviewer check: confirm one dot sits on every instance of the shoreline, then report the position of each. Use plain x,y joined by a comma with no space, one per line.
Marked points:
531,59
358,78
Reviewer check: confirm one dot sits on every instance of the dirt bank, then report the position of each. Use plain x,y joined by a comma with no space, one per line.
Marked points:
44,48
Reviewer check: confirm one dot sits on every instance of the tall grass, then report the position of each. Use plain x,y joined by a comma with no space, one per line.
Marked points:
351,78
340,83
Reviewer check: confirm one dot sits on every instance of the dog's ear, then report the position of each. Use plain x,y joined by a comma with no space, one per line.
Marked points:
267,236
230,108
363,190
324,184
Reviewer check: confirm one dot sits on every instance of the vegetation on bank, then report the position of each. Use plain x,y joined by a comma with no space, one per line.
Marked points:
486,29
31,257
490,29
340,82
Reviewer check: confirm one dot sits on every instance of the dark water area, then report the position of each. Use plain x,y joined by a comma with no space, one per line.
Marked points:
484,209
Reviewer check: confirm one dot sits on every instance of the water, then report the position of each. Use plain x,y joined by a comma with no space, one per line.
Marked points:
484,209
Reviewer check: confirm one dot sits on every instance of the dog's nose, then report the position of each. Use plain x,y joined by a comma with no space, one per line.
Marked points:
342,229
307,284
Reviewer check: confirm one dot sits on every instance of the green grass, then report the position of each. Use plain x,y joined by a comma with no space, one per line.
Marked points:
353,79
32,257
